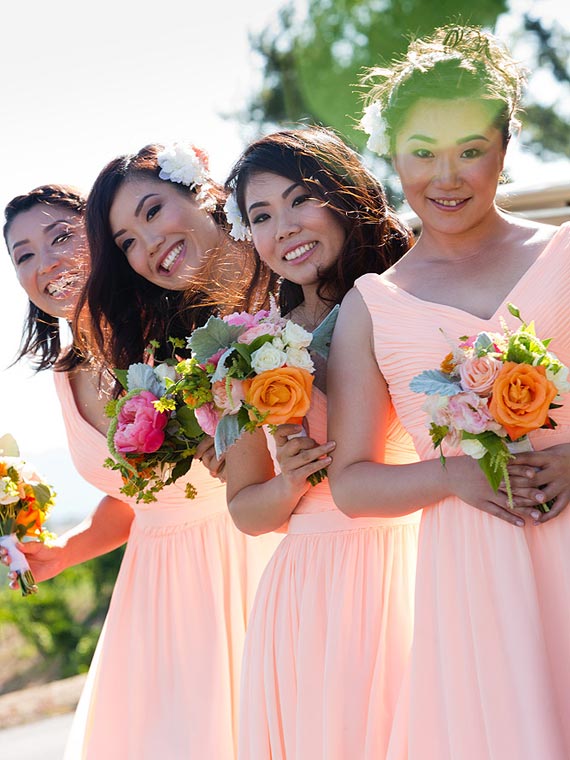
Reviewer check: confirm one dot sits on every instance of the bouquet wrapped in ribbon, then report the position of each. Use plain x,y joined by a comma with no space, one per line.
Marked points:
151,448
248,370
25,502
489,392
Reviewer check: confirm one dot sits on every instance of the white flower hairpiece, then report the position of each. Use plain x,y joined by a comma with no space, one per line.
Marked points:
183,164
373,124
239,230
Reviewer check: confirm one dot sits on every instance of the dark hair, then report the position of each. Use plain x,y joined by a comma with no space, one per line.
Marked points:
317,158
126,310
41,338
455,62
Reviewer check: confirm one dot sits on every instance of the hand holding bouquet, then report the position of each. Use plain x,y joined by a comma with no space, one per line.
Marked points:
247,370
490,392
25,501
150,447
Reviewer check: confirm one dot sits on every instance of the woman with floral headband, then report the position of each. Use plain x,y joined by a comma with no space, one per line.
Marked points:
489,674
164,679
329,636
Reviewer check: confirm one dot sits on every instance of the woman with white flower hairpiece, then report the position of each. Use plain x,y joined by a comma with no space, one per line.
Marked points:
330,631
164,680
489,673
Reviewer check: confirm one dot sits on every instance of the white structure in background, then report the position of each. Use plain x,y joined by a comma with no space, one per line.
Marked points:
546,201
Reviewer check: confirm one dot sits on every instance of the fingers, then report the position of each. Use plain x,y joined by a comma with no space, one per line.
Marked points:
204,445
503,513
297,453
283,432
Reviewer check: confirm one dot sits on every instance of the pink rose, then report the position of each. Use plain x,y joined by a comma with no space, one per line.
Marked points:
215,358
207,418
254,332
478,374
470,412
232,402
241,318
140,428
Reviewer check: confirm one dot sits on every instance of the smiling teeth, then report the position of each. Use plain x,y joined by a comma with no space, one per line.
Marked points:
444,202
292,255
172,256
59,286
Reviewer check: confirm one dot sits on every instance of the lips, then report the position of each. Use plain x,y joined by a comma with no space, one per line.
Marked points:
449,203
300,250
171,257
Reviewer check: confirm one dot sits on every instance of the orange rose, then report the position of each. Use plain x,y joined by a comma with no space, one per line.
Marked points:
284,392
3,470
522,395
32,519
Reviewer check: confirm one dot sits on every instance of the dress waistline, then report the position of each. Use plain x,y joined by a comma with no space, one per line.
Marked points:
335,520
162,516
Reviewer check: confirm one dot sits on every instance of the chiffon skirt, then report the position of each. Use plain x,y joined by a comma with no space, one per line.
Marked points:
328,640
164,682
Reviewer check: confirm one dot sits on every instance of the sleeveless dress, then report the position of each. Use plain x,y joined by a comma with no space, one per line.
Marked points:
164,680
329,635
490,668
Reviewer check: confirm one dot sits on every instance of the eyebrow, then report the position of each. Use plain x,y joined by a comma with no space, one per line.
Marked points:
461,140
140,204
284,195
49,228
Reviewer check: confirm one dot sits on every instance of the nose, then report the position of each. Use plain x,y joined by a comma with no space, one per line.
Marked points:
152,241
447,172
49,259
287,226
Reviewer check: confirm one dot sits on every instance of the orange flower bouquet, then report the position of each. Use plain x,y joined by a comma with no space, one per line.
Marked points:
248,370
490,392
25,501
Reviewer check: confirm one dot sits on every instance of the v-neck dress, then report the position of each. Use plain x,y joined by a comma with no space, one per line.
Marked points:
164,680
489,676
329,636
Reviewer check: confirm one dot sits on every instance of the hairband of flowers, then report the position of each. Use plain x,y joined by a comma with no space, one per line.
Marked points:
238,229
186,165
374,125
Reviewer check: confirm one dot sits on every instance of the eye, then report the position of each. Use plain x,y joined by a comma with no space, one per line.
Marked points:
422,153
472,153
153,211
261,217
299,199
126,244
24,257
62,237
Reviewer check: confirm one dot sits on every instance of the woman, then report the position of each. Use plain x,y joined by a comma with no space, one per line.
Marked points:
182,633
488,675
328,639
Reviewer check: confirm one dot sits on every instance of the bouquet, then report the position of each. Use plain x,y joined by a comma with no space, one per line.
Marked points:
150,447
490,392
248,370
25,501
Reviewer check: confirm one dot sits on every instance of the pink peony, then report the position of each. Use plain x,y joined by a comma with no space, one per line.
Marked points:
140,428
215,358
470,412
241,318
207,418
230,404
267,328
478,374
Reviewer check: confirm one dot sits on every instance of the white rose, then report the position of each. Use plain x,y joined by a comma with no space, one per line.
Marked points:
473,448
296,336
267,357
300,357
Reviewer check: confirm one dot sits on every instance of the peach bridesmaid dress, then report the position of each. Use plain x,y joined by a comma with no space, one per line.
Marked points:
329,635
490,668
164,681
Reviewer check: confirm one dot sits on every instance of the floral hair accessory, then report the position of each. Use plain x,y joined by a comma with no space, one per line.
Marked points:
183,164
239,230
373,124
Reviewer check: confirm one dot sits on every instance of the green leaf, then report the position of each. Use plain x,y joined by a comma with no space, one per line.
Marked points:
322,334
181,468
188,422
227,433
214,335
493,474
121,375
